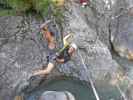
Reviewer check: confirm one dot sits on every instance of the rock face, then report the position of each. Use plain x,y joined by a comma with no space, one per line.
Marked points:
57,95
22,50
129,92
20,53
123,37
96,55
121,33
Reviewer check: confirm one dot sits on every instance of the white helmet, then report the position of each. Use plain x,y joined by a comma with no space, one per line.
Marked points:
74,46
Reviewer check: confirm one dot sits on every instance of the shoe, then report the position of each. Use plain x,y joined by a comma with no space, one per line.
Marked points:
19,98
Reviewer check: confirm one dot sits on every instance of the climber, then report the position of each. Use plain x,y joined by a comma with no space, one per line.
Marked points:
54,56
61,57
83,3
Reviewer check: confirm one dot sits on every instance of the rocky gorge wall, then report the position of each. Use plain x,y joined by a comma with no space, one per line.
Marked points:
22,50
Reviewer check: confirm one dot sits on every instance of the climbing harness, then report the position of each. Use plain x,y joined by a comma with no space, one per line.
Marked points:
89,77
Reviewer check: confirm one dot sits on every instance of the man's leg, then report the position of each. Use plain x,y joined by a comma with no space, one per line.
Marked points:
49,68
45,71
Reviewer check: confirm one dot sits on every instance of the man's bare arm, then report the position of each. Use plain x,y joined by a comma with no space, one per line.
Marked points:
60,60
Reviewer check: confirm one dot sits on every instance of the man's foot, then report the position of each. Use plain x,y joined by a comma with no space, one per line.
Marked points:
84,5
18,98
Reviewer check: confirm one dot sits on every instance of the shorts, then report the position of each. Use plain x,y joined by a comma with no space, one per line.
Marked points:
51,56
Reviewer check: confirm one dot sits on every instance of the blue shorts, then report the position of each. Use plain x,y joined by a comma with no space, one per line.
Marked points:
51,56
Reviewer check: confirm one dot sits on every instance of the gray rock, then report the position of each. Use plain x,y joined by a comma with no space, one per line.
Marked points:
57,95
123,37
129,3
129,92
9,26
96,54
121,31
20,54
22,50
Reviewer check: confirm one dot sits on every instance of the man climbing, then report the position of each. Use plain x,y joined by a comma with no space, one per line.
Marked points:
61,56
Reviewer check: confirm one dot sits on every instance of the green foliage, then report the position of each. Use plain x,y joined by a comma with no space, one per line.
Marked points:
40,6
20,5
6,12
